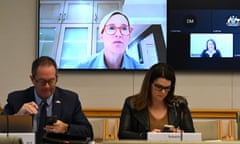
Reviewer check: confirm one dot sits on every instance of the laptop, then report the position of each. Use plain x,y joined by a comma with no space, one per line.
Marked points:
13,123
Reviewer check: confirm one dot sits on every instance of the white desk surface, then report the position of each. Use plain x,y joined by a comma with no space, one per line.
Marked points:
167,142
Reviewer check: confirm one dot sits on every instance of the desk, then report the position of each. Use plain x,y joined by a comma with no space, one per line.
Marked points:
165,142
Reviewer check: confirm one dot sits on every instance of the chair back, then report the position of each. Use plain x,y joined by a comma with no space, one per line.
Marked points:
210,129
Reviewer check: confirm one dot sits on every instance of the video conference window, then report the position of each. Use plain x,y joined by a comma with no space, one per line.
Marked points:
69,32
203,35
209,45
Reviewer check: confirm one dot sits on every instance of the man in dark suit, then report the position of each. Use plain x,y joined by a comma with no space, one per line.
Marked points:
61,103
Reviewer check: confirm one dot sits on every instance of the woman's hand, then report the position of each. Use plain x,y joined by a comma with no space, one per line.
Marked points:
156,130
176,130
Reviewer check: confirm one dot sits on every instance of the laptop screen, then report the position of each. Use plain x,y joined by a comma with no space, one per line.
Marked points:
13,123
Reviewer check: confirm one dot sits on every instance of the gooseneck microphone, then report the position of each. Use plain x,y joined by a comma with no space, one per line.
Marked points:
182,105
176,123
179,105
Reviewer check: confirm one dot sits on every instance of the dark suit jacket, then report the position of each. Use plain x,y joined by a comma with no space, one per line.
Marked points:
134,124
66,106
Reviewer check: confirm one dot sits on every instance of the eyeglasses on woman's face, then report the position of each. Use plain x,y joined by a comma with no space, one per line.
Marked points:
111,29
161,88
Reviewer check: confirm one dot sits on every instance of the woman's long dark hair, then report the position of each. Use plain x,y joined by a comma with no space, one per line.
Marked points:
144,97
214,43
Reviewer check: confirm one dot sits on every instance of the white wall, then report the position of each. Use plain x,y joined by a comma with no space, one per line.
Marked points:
18,44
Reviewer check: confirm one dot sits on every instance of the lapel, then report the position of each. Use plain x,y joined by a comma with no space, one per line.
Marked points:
57,104
143,118
30,95
172,117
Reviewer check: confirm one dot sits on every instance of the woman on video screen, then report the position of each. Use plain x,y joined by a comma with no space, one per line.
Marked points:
211,50
115,31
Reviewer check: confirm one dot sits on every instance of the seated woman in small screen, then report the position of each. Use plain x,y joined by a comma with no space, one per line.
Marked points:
115,31
155,108
211,50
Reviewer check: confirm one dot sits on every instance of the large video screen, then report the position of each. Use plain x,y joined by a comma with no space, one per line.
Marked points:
203,34
79,35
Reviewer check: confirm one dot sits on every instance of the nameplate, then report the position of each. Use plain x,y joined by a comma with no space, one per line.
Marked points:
27,138
153,136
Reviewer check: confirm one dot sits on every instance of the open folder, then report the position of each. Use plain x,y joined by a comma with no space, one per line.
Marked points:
13,123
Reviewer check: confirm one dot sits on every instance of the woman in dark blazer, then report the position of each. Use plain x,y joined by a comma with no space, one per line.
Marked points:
211,50
155,106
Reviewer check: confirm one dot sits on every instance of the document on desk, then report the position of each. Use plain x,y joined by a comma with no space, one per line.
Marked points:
153,136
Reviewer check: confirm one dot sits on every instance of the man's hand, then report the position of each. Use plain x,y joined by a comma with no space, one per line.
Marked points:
29,108
57,127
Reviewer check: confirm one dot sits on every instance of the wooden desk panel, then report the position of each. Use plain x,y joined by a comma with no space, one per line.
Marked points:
196,113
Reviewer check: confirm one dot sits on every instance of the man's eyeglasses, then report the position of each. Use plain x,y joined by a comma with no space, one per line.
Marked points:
44,82
161,88
112,29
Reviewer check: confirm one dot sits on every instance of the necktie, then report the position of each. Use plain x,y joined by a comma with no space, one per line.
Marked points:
43,115
41,122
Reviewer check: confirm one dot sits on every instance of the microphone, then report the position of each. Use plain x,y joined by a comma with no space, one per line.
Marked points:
4,126
179,105
175,106
182,105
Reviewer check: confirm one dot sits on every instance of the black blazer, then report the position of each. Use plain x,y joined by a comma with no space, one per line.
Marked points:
135,124
66,106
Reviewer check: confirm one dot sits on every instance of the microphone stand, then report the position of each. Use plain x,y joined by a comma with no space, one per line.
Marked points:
177,121
176,114
181,132
182,107
7,123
